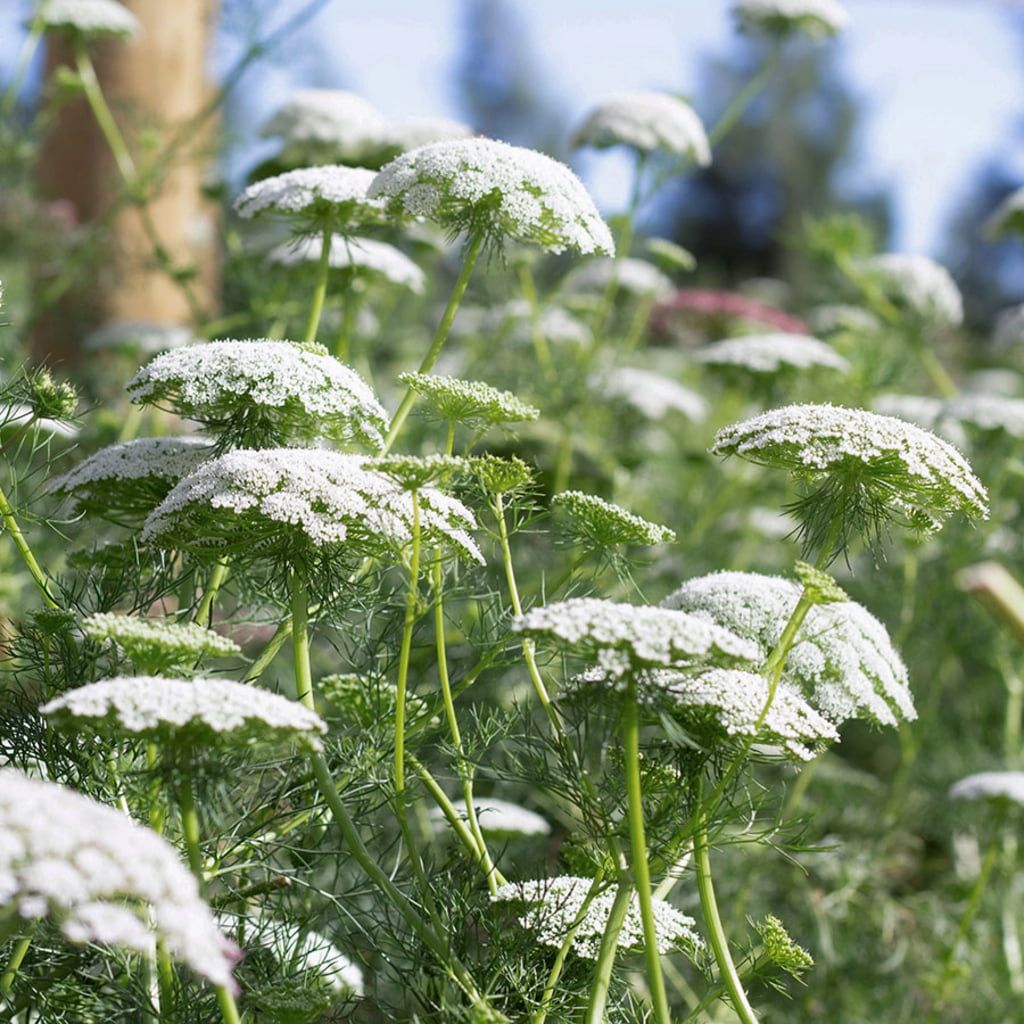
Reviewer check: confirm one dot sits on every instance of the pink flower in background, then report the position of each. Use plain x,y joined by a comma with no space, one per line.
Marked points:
714,302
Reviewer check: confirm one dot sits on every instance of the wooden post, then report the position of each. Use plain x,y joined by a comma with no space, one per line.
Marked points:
154,84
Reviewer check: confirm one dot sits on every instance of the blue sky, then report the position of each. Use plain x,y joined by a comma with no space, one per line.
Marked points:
942,80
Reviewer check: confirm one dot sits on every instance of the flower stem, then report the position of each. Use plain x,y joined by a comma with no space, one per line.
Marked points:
463,768
28,49
193,846
300,642
11,525
601,984
219,573
638,844
14,962
316,307
419,927
405,651
476,244
743,99
716,933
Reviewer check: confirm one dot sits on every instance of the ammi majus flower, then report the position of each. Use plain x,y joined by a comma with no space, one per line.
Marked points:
469,402
769,354
101,878
495,190
263,393
359,257
89,19
919,285
820,18
647,122
596,524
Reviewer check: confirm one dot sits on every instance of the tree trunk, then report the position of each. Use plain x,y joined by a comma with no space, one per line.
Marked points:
154,84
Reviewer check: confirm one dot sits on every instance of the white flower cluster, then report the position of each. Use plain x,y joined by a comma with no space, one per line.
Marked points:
651,394
69,858
325,497
499,817
300,950
911,469
843,659
919,284
90,17
139,337
736,700
1008,331
471,402
151,643
505,190
360,255
779,17
334,192
601,523
989,413
1008,215
300,389
205,710
160,458
625,638
924,410
328,120
555,904
990,786
770,353
130,477
632,276
647,122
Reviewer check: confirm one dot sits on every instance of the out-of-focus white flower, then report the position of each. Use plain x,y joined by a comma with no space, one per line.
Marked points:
784,17
267,500
360,255
625,638
16,417
333,122
646,122
843,659
652,394
632,276
997,786
771,353
139,337
497,817
294,391
101,878
1008,331
901,466
989,413
89,18
155,645
1008,216
993,380
206,711
918,284
333,196
554,905
597,523
506,191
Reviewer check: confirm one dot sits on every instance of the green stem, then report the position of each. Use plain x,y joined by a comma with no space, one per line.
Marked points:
715,931
973,902
462,766
28,49
476,244
14,962
193,846
541,348
219,573
600,986
349,319
419,927
638,845
316,307
12,527
300,642
743,99
405,651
